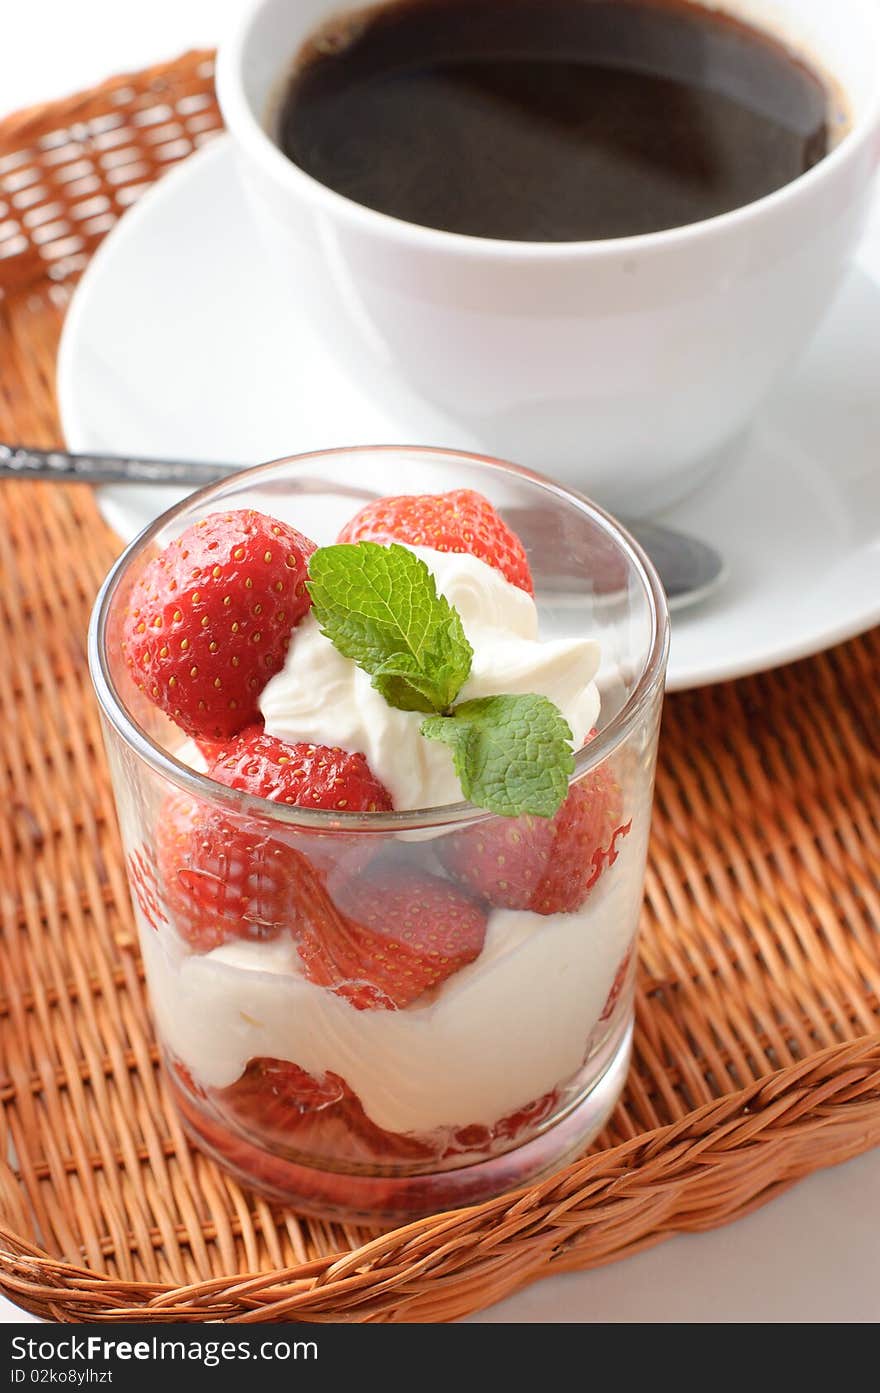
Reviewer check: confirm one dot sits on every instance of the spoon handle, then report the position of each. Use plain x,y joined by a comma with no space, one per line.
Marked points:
22,462
689,569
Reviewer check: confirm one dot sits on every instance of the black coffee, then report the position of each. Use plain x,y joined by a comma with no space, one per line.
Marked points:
552,120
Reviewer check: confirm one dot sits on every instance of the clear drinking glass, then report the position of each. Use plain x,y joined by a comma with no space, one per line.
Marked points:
506,1069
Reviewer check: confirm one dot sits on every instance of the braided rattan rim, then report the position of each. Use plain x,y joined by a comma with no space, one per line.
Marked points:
723,1161
758,1050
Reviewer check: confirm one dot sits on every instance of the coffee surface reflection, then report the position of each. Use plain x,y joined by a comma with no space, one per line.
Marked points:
553,120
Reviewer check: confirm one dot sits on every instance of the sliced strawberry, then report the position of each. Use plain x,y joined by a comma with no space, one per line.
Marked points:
210,750
366,1141
223,877
390,936
309,776
231,877
479,1138
588,829
284,1105
146,887
278,1098
545,865
461,520
210,619
503,859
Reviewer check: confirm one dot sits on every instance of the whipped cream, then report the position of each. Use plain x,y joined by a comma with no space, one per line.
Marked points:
323,698
503,1031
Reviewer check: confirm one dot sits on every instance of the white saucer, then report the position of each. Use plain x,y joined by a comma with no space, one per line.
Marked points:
178,344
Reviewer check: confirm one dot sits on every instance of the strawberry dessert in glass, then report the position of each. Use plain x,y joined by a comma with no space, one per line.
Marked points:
382,725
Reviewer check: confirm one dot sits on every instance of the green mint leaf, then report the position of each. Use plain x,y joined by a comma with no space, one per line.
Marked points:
379,606
512,754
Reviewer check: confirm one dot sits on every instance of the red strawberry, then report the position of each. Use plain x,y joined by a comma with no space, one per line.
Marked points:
310,776
283,1104
479,1137
146,888
366,1141
209,621
211,750
548,865
389,937
279,1104
278,1097
461,520
223,877
226,876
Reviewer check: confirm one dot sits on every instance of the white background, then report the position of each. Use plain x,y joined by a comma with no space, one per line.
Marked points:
814,1254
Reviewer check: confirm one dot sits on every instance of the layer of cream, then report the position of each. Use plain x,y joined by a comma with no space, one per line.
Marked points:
321,697
501,1032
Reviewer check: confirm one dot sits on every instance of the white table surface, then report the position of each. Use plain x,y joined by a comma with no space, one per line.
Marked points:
812,1255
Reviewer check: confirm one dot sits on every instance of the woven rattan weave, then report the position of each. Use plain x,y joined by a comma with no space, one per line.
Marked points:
757,1053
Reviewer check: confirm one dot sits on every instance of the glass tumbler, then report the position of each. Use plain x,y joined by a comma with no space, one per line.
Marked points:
309,1086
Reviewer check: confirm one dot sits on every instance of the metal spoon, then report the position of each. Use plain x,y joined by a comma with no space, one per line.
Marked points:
689,569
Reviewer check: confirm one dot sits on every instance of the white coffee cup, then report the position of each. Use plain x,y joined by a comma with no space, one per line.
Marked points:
627,368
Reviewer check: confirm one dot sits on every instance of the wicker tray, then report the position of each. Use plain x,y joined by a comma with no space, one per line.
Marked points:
757,1053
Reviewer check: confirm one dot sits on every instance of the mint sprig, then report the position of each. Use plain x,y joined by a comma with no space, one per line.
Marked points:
512,754
379,606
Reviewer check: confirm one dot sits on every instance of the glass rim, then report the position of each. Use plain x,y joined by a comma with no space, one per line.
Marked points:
205,789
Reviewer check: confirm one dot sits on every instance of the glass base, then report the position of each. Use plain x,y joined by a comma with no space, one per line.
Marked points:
360,1198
